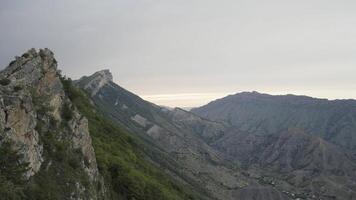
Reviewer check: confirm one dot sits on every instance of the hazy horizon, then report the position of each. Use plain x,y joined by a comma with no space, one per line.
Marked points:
187,53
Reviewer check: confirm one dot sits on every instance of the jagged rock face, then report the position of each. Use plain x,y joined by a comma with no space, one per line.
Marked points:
32,75
81,140
37,71
31,72
18,122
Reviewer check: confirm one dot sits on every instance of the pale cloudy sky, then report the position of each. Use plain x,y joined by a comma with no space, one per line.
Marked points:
188,52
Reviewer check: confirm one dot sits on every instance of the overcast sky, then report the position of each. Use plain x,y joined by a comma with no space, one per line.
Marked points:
188,52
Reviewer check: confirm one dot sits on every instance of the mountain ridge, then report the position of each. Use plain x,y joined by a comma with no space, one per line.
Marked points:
317,116
92,139
66,149
264,136
195,124
179,133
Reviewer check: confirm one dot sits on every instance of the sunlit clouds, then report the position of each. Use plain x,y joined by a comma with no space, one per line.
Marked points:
184,99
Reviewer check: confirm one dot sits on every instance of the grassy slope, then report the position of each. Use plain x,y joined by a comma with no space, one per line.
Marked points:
120,160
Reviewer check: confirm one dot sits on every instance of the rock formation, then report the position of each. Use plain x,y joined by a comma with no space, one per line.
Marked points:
33,105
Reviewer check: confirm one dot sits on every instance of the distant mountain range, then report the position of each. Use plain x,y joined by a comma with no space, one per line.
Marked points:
333,121
92,139
308,142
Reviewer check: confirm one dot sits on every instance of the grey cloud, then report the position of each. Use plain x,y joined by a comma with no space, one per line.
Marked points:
167,47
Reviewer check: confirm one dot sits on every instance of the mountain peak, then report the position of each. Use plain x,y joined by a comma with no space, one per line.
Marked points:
29,68
96,81
104,75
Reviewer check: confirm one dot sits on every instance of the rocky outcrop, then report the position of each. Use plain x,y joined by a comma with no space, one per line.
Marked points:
81,140
34,72
96,81
17,123
33,102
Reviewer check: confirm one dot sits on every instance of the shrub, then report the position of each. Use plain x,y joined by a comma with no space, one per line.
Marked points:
41,103
17,88
74,161
67,112
5,81
12,62
26,55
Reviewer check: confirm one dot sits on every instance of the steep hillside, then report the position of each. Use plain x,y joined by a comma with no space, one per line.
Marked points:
121,157
49,130
177,133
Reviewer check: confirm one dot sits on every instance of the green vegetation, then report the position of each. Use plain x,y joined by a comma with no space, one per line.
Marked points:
26,55
12,62
5,81
127,174
67,112
60,175
17,88
41,104
12,173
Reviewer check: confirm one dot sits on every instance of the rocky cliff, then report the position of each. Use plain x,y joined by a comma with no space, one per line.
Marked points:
39,119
